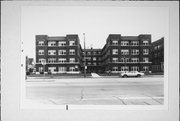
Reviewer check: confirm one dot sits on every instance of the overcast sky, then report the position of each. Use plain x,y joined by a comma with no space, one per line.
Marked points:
97,22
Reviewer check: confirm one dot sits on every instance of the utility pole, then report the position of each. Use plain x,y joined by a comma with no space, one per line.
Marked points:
84,56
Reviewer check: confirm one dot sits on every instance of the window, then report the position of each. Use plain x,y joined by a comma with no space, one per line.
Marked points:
62,52
114,42
71,43
52,43
115,51
89,63
51,52
135,52
145,68
41,43
51,60
134,43
61,43
135,60
71,60
145,51
88,53
145,42
115,60
71,68
41,69
40,60
41,52
124,68
94,53
94,58
72,52
145,59
51,69
88,58
124,52
94,64
124,59
124,43
134,68
62,60
62,69
115,68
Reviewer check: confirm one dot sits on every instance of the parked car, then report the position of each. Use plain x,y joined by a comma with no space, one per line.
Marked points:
131,74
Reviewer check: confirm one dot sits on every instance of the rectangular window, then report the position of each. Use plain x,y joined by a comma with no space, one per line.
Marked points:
145,68
61,43
135,60
41,52
40,60
71,43
114,60
62,60
134,43
62,52
114,42
124,68
72,52
135,52
41,69
89,63
51,69
51,43
62,69
94,53
88,53
115,51
134,68
40,43
146,60
71,68
88,58
124,52
115,68
94,58
124,43
71,60
94,64
51,60
145,51
51,52
145,42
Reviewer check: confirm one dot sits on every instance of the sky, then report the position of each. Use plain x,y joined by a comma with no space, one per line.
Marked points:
97,22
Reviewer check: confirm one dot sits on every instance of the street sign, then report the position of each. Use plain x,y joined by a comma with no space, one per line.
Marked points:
43,62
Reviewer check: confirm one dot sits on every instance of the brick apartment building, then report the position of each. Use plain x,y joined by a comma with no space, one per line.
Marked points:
126,53
158,55
64,54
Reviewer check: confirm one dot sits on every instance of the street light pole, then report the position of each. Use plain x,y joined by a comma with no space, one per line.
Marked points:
84,56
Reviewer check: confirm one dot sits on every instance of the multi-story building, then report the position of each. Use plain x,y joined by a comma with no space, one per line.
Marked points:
158,55
126,53
93,60
61,53
120,53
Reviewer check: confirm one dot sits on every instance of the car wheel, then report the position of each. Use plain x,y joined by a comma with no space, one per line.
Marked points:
125,76
138,75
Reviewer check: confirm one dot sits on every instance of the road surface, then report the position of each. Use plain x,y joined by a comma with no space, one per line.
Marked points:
97,91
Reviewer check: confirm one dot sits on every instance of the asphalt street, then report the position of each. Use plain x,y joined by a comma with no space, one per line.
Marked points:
96,91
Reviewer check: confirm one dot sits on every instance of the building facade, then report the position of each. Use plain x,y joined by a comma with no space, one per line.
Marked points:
158,55
63,54
126,53
93,60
